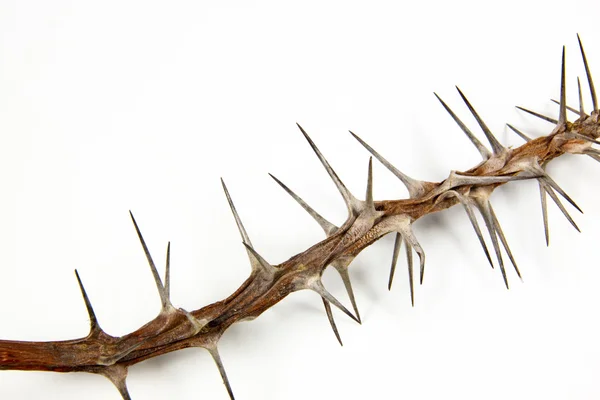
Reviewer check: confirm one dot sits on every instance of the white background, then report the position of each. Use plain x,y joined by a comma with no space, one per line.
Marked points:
111,106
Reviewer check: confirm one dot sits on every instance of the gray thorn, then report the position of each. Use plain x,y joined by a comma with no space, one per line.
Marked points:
397,246
555,186
484,209
544,211
159,286
485,153
369,194
259,260
496,146
345,275
327,226
518,132
556,200
589,75
504,242
349,199
318,287
168,272
409,262
238,221
415,187
541,116
563,91
217,358
572,109
332,321
581,110
94,326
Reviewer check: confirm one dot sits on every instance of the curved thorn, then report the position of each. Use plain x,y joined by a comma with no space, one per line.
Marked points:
327,226
518,132
544,211
496,146
581,110
572,109
563,91
94,326
556,200
345,275
504,242
485,153
217,358
415,187
541,116
318,287
348,197
589,75
159,286
397,246
332,321
238,221
168,272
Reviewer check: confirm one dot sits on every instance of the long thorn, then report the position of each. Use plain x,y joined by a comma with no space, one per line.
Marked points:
259,260
397,246
168,272
159,286
415,187
484,209
544,211
581,110
217,358
348,197
327,226
589,75
345,275
496,146
504,242
541,116
562,208
369,194
409,262
94,326
318,287
238,221
518,132
563,91
572,109
555,186
485,153
332,321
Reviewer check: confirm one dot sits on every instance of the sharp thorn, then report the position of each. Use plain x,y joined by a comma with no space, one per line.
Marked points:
484,209
259,261
327,226
94,326
563,91
589,75
217,358
345,275
332,321
238,221
504,242
555,186
576,111
409,262
496,146
117,375
159,286
544,211
556,200
369,194
518,132
477,230
168,272
485,153
349,199
415,187
318,287
584,137
581,110
397,246
541,116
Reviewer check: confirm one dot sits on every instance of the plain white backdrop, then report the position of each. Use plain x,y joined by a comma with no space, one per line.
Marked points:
111,106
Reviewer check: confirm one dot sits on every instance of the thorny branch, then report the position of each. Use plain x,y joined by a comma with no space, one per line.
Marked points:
174,329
